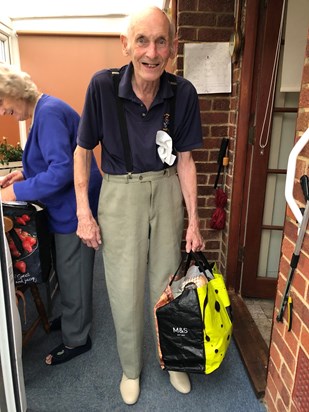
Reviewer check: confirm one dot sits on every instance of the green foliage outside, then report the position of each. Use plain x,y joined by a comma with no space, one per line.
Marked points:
10,153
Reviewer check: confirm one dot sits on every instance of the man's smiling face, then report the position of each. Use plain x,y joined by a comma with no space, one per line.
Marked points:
149,46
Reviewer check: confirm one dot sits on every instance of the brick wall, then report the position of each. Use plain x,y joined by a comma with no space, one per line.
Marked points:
210,21
288,371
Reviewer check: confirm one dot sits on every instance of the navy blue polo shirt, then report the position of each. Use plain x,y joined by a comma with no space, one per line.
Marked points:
99,122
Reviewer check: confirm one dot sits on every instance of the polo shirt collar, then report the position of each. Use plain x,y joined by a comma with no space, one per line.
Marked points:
125,86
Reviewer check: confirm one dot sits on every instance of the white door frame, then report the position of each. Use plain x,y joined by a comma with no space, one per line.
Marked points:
11,333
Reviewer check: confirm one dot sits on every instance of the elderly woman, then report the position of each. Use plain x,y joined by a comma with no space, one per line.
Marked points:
48,177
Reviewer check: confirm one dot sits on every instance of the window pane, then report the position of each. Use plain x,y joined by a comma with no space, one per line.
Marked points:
270,251
4,48
274,206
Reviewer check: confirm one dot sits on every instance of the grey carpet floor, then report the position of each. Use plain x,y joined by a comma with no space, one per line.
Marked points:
90,382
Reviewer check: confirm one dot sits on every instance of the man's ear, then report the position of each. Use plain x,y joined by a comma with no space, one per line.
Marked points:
124,41
174,48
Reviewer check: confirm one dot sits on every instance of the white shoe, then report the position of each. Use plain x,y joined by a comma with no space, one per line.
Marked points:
180,381
129,389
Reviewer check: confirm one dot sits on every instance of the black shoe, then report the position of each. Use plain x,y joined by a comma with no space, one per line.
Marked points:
63,354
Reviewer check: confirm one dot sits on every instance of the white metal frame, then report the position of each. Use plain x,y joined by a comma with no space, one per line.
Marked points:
290,177
10,353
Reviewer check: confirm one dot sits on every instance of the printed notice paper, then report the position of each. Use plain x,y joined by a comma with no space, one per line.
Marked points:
208,67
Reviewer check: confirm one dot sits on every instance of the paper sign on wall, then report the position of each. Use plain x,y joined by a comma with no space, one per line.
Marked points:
208,67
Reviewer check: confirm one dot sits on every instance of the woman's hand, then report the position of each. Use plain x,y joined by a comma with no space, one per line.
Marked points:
10,178
7,194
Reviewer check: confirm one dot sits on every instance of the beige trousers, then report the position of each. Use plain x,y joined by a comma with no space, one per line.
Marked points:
141,220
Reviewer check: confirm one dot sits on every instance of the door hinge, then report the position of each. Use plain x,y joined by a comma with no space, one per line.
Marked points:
251,135
241,254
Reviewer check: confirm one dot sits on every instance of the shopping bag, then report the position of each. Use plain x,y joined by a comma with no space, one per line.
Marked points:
193,319
29,240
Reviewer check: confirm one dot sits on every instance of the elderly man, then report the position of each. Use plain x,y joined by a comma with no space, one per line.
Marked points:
133,113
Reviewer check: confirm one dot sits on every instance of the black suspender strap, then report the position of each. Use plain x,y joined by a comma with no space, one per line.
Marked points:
122,123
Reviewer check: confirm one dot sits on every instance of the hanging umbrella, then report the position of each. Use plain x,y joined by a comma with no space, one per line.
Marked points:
219,215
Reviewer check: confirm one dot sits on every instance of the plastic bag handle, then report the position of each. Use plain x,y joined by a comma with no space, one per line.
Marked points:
202,263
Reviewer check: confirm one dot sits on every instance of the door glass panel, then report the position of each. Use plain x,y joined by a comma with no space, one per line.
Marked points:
282,140
281,144
274,207
270,252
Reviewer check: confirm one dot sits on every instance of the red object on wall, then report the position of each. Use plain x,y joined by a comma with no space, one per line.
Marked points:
219,215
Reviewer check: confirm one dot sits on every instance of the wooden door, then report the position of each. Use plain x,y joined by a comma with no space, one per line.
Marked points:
262,220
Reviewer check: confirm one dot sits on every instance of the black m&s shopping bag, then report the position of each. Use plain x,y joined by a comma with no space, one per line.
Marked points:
194,325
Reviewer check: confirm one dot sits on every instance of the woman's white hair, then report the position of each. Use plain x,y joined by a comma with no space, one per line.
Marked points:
16,84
